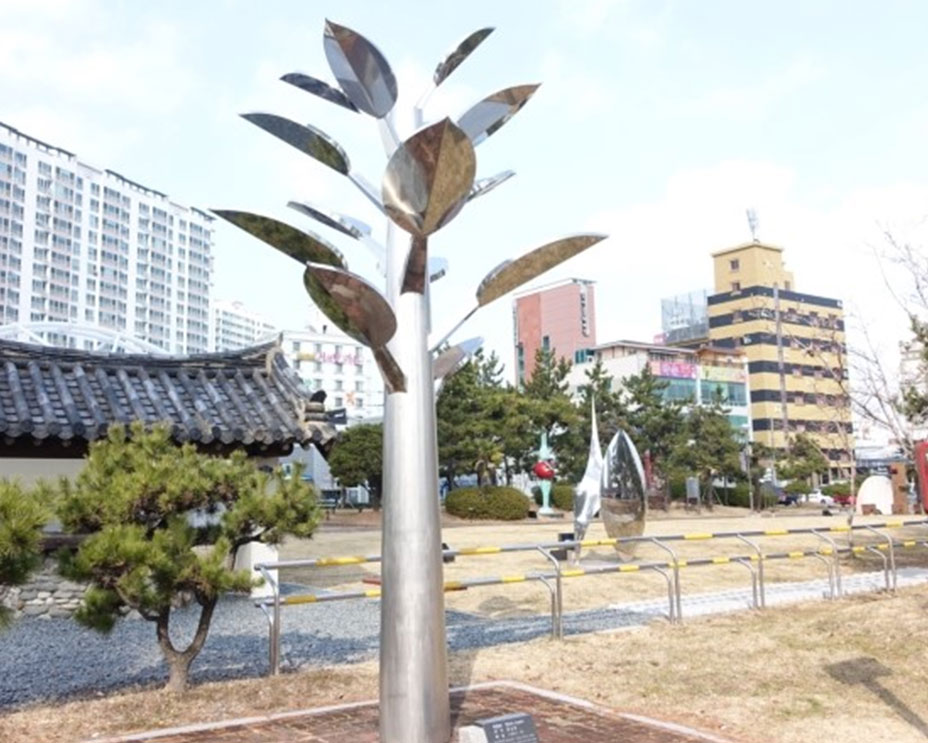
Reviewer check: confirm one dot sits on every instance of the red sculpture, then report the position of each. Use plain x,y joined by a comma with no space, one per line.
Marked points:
543,470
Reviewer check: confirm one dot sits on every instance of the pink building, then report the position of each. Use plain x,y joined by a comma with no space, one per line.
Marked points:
560,317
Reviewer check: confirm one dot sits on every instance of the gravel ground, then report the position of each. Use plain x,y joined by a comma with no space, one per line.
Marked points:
54,659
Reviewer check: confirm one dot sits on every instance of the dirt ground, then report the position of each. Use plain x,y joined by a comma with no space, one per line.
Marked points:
852,670
584,592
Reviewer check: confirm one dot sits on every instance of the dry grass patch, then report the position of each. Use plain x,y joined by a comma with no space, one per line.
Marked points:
587,592
851,670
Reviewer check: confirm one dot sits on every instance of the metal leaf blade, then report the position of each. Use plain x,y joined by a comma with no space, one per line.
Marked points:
483,186
353,305
486,117
307,139
414,273
428,178
339,222
302,246
452,359
508,276
361,70
319,88
453,59
437,267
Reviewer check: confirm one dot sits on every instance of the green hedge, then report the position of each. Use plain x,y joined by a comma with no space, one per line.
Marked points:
488,502
562,496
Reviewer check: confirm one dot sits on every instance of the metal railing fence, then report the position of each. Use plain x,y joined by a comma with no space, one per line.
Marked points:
754,562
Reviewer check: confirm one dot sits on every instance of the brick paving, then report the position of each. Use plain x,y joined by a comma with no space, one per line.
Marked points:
557,719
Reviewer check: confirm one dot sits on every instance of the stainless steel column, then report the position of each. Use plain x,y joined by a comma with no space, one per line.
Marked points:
414,704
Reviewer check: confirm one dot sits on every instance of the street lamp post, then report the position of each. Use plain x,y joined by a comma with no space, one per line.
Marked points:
429,178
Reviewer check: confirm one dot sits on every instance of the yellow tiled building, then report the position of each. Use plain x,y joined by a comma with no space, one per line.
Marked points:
755,308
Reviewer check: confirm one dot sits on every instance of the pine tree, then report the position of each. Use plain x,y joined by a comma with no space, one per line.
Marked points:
164,524
22,516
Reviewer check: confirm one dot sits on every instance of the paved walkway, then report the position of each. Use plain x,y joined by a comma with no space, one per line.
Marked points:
558,719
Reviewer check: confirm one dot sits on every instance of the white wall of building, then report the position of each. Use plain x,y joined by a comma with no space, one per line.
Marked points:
329,360
84,245
232,326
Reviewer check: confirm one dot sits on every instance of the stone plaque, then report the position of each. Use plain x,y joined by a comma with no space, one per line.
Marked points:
515,728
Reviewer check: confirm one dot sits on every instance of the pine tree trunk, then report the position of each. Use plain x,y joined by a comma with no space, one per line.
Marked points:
179,661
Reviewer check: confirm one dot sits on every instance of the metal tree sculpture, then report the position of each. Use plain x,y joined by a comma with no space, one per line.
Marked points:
428,179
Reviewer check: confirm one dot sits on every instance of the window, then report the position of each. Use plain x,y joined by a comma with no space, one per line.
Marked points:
338,402
786,285
546,343
734,264
736,286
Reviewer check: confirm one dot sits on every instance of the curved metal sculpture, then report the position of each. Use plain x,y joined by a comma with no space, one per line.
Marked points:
587,496
429,178
624,495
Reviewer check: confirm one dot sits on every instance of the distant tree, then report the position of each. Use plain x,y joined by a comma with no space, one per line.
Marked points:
551,410
357,459
707,447
803,460
165,523
654,422
22,516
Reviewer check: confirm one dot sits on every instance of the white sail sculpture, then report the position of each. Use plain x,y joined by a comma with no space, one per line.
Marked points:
588,495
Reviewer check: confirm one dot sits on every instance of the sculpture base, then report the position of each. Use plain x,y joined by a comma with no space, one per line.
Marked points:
558,718
548,511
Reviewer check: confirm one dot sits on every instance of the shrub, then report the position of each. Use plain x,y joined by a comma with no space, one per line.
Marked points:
738,495
562,496
488,502
837,489
798,487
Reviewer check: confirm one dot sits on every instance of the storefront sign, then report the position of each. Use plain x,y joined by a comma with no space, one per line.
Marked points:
722,373
674,369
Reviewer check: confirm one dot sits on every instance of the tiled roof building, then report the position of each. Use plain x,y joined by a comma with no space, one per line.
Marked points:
54,401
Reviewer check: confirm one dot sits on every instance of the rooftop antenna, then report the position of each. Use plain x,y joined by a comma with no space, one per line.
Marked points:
752,223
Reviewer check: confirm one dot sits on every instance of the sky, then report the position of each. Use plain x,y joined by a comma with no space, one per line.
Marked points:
658,122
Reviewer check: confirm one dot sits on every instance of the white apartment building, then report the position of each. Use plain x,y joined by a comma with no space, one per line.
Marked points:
232,326
89,247
345,369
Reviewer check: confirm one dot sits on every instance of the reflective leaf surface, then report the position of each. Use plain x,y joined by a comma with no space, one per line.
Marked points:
319,88
504,278
428,178
302,246
305,138
361,70
487,116
456,56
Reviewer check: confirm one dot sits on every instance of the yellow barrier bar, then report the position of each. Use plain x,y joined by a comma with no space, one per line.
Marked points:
721,560
307,598
699,535
372,593
572,573
453,585
775,532
857,549
628,568
680,563
893,524
351,560
512,578
755,557
795,555
909,543
479,550
826,551
883,547
839,528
